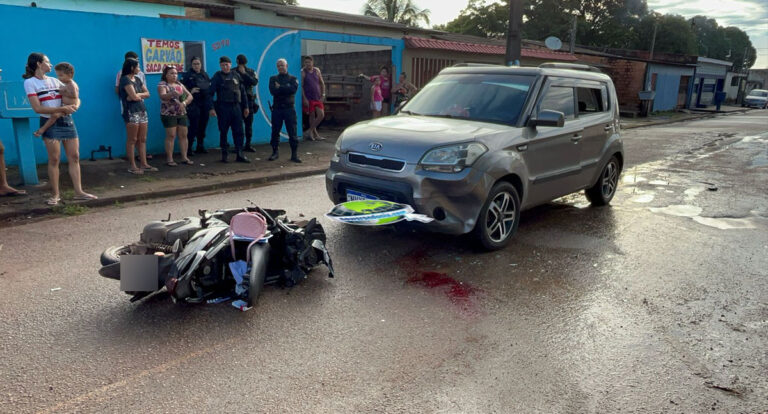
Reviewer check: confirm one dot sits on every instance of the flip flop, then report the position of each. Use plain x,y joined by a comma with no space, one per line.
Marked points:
171,164
53,201
136,171
149,168
14,193
188,162
84,197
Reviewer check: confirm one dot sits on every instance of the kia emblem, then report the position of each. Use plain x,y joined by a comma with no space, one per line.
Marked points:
375,146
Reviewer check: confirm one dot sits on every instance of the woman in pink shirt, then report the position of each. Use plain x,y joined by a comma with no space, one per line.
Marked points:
386,87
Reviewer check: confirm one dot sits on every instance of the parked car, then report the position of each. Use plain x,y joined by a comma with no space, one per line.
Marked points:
479,144
757,98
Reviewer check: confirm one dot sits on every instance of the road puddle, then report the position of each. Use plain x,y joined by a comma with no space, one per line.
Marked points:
642,198
680,210
725,223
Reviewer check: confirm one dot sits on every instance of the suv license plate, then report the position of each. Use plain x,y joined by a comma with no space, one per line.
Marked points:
356,195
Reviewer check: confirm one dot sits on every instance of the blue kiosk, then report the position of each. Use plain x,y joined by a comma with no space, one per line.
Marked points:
14,105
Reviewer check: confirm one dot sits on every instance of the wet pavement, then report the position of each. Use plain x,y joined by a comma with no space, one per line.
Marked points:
657,303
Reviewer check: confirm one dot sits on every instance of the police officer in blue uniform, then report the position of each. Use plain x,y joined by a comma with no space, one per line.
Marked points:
230,107
283,87
198,83
250,80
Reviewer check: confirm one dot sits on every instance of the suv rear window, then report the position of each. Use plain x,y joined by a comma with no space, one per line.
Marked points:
590,100
478,97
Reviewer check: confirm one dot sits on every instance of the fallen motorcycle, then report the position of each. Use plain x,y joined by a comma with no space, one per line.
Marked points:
199,259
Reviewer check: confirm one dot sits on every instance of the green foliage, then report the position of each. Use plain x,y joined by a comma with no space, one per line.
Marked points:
610,24
70,209
478,19
398,11
673,34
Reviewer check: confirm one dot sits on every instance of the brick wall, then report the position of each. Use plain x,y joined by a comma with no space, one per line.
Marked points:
627,75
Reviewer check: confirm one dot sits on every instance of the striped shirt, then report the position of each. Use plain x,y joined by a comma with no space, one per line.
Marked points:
46,90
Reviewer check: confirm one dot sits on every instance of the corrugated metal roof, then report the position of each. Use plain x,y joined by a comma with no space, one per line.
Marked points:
326,15
485,49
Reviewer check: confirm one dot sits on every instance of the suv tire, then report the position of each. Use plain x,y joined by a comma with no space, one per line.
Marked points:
604,189
498,218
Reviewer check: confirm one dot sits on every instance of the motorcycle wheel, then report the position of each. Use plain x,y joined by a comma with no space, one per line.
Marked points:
112,254
259,262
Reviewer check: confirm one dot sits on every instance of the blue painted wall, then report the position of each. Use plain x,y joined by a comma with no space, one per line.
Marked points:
667,84
95,45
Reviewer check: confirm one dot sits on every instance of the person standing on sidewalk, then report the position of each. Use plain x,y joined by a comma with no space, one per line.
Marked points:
230,107
174,98
250,80
44,96
199,84
312,96
283,87
5,189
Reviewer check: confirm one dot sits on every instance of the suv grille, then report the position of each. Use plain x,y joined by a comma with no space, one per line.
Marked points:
391,164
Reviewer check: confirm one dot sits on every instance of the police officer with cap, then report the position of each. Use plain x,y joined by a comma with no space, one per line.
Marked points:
230,107
250,80
283,87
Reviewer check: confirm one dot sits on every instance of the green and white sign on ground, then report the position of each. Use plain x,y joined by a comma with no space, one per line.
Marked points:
374,213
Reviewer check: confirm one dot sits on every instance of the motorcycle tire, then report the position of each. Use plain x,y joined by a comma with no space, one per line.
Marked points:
259,261
112,254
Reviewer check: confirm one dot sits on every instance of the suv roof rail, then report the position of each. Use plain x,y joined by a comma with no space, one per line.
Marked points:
571,66
466,64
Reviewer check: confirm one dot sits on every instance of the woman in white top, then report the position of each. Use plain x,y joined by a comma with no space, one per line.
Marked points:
45,99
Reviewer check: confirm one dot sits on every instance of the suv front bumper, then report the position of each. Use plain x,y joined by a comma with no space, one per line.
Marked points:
454,200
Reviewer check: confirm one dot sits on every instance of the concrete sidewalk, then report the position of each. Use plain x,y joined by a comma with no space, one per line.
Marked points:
687,115
113,184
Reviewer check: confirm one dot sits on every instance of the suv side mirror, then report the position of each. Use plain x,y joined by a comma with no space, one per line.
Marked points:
548,118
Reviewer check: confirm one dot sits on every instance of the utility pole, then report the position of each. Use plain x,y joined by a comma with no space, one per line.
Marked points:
653,39
573,33
514,38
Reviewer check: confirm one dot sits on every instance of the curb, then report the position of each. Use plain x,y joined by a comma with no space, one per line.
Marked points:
242,183
699,116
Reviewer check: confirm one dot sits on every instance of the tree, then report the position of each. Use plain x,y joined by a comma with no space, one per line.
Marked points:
743,54
673,34
607,23
477,19
398,11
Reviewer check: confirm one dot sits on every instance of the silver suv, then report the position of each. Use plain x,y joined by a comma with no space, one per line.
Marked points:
478,144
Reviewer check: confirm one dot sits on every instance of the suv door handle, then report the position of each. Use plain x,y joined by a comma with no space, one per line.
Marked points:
608,128
576,137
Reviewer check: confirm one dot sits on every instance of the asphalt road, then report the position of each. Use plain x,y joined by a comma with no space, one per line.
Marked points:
658,303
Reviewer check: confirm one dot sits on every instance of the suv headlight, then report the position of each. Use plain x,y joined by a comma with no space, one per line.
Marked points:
337,147
452,158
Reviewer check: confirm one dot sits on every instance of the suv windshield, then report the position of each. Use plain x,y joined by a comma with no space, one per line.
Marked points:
759,93
478,97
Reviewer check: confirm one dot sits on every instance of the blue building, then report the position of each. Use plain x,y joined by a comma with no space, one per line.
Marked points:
95,42
709,78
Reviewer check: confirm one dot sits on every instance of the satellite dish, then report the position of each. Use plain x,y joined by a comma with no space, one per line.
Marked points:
553,43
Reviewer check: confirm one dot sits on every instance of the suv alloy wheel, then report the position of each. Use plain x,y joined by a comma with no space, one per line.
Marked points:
499,217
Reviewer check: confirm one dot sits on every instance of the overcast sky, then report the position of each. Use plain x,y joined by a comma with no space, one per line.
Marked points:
748,15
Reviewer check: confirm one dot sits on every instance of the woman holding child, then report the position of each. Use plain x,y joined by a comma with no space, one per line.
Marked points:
57,126
174,98
132,93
